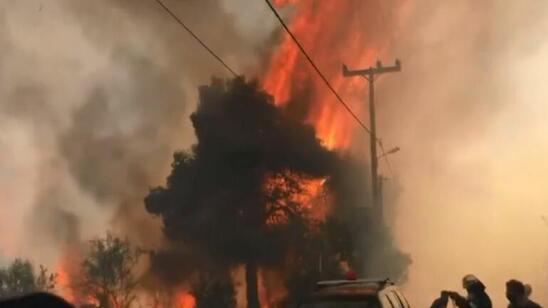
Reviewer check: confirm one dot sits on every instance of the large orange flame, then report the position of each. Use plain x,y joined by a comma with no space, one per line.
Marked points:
333,33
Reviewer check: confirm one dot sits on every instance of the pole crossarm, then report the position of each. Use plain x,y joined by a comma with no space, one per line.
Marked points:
374,70
369,74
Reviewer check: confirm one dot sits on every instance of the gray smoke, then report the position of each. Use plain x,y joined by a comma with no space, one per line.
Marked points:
94,99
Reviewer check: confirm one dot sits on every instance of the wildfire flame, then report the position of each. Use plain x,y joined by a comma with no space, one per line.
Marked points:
332,32
67,271
183,299
64,283
332,38
307,197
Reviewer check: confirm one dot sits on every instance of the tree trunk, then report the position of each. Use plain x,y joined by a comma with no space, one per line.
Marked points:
252,286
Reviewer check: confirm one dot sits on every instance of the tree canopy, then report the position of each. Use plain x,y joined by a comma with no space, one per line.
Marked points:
108,272
20,278
238,195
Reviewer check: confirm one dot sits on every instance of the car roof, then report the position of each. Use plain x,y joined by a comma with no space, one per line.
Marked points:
358,287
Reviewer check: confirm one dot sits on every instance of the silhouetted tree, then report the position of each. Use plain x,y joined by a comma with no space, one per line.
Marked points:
235,196
108,272
214,289
19,278
231,196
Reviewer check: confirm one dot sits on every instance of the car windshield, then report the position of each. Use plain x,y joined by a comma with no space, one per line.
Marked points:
342,303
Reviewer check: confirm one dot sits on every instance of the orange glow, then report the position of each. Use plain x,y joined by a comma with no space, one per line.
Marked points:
263,296
183,299
64,283
67,271
317,201
302,194
282,2
329,33
272,289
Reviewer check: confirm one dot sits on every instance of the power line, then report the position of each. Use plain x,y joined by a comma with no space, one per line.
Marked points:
339,98
182,24
220,60
385,156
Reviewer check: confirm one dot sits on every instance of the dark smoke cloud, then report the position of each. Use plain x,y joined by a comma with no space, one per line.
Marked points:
243,139
97,93
108,156
93,98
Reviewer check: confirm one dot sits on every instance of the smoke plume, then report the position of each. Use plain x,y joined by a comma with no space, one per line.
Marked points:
93,102
95,97
466,113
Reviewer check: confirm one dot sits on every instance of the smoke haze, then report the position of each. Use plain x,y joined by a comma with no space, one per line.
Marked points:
94,98
92,89
468,112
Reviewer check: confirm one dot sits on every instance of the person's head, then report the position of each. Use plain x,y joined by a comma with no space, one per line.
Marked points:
33,300
472,284
528,290
515,291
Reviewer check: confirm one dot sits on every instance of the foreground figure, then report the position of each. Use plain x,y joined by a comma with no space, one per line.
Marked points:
518,295
476,298
35,300
476,295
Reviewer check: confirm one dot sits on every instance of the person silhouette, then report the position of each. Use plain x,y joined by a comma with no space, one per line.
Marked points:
476,297
35,300
518,295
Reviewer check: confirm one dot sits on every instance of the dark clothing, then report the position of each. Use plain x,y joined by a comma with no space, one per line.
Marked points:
528,304
474,300
477,297
440,302
36,300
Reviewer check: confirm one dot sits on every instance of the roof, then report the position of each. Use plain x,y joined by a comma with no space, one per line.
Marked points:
359,287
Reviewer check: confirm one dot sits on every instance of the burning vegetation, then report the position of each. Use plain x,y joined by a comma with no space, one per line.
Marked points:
263,205
268,185
326,31
259,189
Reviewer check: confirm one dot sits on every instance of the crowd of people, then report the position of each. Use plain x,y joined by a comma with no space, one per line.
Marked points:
517,293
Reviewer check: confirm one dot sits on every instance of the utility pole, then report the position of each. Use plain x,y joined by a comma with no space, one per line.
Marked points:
369,74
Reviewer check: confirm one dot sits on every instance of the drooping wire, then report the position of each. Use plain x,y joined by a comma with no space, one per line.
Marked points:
322,76
182,24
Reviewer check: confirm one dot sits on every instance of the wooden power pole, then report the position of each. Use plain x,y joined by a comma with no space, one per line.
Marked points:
369,74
